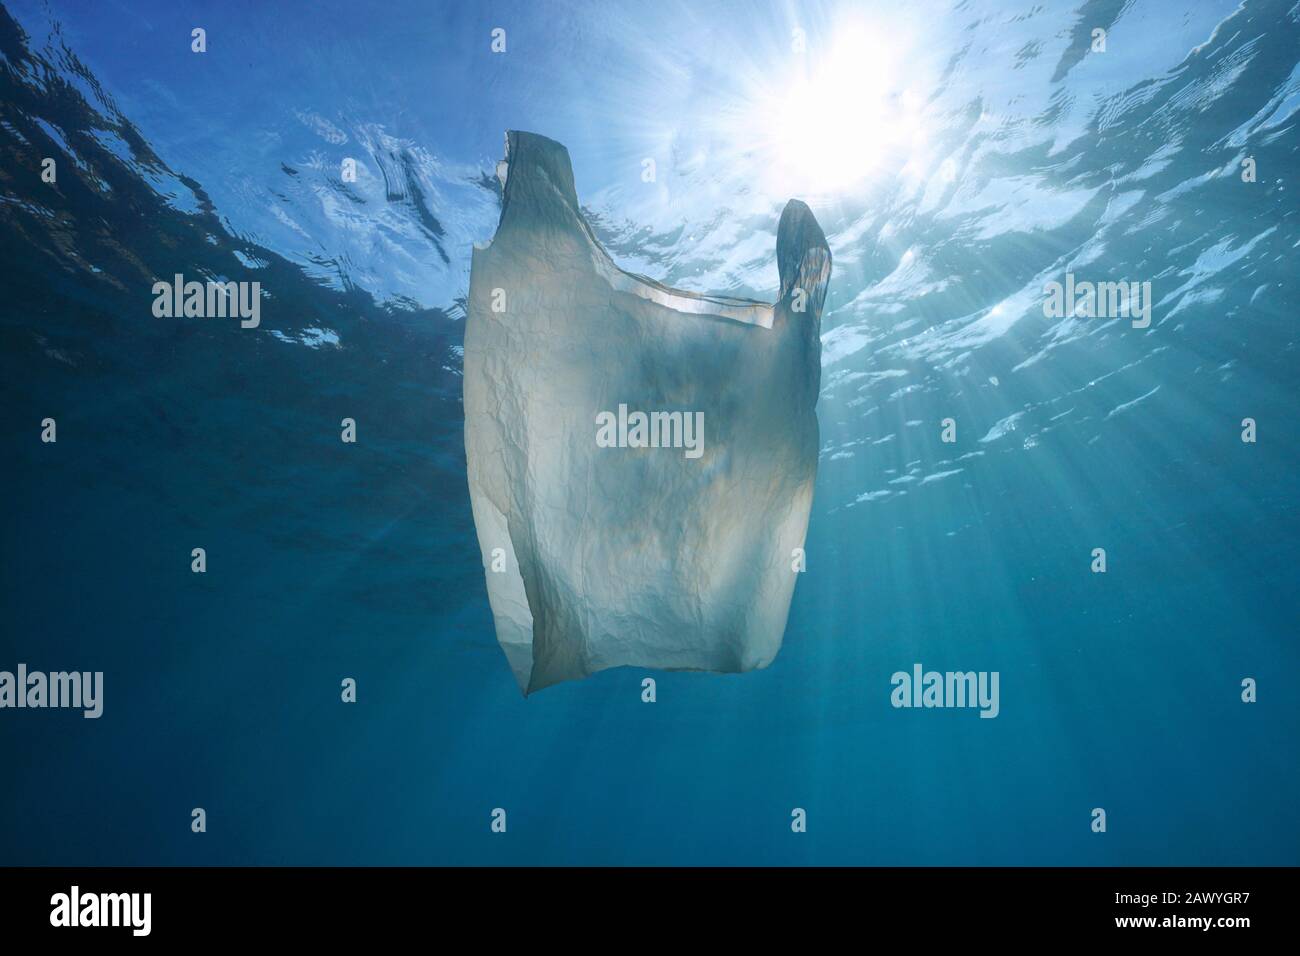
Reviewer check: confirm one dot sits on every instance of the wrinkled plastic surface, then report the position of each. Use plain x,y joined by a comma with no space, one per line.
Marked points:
603,556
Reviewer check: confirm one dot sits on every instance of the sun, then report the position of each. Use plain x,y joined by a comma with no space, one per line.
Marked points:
837,114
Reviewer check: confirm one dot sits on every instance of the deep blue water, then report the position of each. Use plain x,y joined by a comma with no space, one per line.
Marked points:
988,150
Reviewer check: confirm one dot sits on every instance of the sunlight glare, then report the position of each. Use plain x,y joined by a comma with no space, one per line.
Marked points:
836,117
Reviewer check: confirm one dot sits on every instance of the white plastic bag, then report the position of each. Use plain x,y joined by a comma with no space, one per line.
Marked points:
681,553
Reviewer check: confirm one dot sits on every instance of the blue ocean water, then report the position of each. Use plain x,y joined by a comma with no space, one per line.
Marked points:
959,156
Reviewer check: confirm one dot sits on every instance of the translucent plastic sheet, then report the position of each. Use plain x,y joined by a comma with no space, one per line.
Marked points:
641,459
